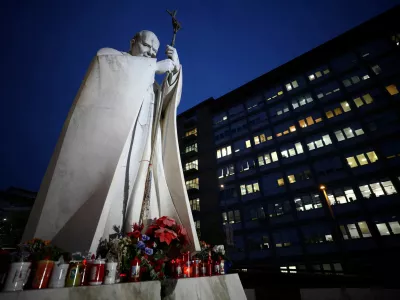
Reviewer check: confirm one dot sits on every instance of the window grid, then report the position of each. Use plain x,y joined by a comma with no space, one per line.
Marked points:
355,230
192,147
362,159
343,108
308,202
226,171
348,133
377,189
267,158
249,188
192,184
279,209
231,217
301,101
195,204
363,100
292,150
308,121
322,141
318,74
194,164
341,195
224,151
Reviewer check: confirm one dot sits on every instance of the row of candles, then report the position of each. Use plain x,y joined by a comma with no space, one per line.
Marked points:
50,274
186,268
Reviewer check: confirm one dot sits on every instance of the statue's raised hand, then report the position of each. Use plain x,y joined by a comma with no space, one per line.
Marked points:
173,55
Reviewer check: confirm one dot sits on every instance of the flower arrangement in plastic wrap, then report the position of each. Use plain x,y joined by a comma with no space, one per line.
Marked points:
217,252
40,249
162,240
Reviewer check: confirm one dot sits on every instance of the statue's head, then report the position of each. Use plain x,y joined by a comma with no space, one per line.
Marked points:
144,43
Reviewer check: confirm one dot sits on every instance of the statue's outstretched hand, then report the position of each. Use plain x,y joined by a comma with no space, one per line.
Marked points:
173,55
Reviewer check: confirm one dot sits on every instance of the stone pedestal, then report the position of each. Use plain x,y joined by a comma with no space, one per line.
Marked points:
225,287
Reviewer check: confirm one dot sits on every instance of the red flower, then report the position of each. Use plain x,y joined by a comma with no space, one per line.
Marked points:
138,227
151,229
157,267
165,235
166,221
135,234
160,275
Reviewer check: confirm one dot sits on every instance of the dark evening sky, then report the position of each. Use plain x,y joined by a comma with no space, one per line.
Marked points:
48,45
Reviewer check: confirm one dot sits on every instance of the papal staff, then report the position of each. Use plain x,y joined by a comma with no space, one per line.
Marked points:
144,213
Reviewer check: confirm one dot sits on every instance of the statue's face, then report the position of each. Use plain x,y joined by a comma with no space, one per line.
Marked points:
146,46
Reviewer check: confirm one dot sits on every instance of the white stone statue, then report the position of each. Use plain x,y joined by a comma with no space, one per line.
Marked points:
120,120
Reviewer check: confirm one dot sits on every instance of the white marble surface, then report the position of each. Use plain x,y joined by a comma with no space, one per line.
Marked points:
225,287
138,291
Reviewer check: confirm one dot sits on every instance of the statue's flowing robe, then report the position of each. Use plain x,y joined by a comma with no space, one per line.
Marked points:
100,163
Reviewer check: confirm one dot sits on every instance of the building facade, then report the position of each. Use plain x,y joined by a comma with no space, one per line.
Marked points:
15,207
298,170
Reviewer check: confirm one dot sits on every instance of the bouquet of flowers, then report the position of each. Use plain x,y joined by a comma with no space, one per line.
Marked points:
153,248
39,249
217,251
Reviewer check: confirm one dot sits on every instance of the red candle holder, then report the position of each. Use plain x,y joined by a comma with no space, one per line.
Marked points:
195,268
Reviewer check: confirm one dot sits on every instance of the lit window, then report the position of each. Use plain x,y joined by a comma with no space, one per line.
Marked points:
364,229
358,102
248,144
191,132
372,156
232,217
291,179
308,202
353,231
383,229
395,227
329,114
367,99
345,106
288,87
388,187
326,71
249,188
392,89
311,77
192,165
195,204
365,77
267,158
190,148
362,160
281,182
339,135
377,189
318,74
192,184
352,162
225,151
341,196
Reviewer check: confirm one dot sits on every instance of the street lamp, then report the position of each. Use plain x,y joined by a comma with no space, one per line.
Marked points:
323,189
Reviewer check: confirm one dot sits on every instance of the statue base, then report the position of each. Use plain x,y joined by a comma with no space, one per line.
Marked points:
222,287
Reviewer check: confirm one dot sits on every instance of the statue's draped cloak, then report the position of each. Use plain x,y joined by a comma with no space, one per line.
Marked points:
100,159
